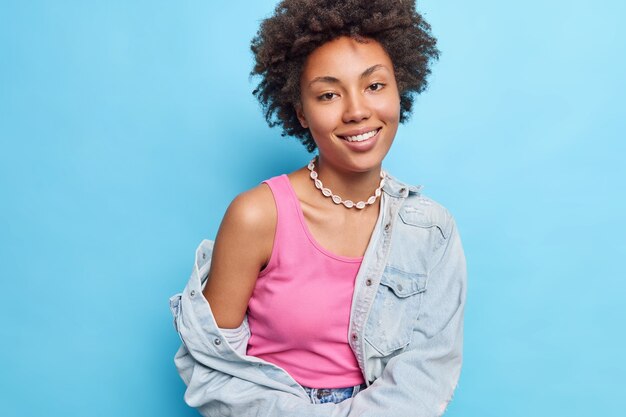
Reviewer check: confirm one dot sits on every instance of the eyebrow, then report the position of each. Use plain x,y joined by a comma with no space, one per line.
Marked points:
333,80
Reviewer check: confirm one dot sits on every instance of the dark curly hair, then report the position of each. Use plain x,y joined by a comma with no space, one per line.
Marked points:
286,39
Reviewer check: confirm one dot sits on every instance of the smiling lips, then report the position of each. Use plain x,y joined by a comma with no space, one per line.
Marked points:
361,137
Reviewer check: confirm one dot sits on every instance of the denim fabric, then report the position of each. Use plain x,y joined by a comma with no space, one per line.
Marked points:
332,395
406,327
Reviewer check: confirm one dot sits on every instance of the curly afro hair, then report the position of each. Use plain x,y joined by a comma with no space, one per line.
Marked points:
286,39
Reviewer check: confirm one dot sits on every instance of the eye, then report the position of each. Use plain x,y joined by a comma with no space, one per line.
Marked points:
376,86
326,96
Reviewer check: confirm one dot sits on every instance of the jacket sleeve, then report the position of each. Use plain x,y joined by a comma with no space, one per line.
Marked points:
421,380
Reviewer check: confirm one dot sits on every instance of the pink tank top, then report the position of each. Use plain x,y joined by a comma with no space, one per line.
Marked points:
300,307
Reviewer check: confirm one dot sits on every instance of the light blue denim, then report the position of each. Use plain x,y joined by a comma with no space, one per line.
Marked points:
332,395
406,327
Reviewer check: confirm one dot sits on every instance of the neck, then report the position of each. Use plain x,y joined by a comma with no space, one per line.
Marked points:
355,186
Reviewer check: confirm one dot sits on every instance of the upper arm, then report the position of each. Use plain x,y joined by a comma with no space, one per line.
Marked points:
242,247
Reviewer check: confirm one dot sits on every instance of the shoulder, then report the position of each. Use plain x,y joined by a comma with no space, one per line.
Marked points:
425,232
253,210
246,234
420,210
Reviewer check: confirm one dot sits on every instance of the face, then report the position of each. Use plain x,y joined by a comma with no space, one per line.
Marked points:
350,103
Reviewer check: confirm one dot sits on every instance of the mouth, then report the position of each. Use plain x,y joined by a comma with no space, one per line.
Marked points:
360,137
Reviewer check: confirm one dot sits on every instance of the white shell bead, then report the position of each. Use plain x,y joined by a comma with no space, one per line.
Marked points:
318,184
371,200
360,205
327,192
348,203
337,199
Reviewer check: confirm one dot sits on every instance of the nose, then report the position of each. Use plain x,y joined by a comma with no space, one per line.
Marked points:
356,109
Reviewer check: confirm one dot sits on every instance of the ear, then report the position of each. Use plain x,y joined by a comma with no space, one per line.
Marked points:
300,115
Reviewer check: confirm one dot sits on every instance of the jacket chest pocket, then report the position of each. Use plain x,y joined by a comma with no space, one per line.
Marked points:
395,310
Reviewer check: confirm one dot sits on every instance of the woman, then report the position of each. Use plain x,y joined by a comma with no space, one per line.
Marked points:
335,289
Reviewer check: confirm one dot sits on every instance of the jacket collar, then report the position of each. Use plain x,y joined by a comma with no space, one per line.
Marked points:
396,188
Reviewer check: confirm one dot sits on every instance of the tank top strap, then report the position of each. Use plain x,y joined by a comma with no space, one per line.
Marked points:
288,217
281,189
289,233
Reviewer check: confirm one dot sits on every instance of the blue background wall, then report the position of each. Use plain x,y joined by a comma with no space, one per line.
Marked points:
127,127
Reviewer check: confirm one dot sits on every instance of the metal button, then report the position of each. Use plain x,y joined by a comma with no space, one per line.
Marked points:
217,341
368,282
192,293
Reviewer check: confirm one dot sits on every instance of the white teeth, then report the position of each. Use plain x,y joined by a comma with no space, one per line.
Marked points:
361,138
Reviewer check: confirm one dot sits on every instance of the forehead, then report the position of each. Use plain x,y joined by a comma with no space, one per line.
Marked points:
344,58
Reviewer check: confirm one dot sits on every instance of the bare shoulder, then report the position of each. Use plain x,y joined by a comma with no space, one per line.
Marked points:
253,213
242,248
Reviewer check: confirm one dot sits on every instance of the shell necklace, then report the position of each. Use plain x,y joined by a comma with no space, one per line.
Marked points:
326,192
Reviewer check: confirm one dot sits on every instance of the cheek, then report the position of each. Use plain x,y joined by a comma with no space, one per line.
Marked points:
389,110
322,119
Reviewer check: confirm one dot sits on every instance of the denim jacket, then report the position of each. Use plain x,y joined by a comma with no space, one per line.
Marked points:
406,326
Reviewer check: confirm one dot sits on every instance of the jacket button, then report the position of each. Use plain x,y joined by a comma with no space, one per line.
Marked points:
192,293
387,227
400,287
217,342
203,255
402,190
368,282
354,336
